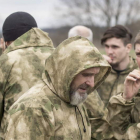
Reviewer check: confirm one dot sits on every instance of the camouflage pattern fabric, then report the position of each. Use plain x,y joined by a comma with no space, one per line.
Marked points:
44,112
0,51
126,126
100,127
21,67
114,83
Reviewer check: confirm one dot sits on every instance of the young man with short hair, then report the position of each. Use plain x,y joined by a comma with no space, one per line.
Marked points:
117,43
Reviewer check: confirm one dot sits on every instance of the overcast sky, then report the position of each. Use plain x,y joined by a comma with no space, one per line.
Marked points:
46,12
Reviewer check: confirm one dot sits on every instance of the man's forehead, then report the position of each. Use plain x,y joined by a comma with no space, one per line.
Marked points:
113,41
92,70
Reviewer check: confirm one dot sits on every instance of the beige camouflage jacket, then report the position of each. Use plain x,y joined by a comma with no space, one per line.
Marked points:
21,66
44,112
114,83
126,118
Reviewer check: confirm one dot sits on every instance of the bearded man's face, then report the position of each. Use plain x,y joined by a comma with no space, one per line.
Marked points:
81,84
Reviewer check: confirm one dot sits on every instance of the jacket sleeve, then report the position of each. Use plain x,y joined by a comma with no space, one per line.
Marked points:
5,69
120,118
29,124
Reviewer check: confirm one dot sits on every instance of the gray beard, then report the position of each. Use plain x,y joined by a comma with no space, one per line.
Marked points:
76,99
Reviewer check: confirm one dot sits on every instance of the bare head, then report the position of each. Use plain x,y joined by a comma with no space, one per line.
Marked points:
117,43
81,31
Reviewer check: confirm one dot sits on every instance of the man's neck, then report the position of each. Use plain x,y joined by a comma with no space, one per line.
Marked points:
121,66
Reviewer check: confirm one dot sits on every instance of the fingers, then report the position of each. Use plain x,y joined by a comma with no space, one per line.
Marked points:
135,74
131,78
107,58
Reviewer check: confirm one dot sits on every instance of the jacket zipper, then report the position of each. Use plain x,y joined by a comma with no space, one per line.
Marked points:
78,124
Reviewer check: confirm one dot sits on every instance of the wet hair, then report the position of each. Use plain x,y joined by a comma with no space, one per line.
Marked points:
119,32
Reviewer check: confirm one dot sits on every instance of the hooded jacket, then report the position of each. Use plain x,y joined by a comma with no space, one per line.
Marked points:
45,112
114,83
21,67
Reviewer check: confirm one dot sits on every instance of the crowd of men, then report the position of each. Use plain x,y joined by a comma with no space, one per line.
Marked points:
71,92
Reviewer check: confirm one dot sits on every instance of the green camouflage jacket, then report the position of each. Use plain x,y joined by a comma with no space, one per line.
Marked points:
21,66
100,127
44,112
126,118
114,83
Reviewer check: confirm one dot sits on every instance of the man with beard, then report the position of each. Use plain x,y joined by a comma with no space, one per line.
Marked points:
117,43
93,104
23,61
53,109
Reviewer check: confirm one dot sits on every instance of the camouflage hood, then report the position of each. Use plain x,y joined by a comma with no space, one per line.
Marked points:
70,58
30,39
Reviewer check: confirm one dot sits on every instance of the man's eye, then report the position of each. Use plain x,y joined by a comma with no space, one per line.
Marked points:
85,75
114,47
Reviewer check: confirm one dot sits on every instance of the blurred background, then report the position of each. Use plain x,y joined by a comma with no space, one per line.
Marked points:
57,16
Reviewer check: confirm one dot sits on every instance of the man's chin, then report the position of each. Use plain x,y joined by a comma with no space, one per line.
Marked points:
78,98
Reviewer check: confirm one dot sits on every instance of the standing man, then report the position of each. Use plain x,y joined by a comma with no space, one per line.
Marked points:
93,103
23,61
127,104
53,109
117,43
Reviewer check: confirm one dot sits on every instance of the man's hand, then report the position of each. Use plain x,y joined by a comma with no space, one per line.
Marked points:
2,45
107,58
131,84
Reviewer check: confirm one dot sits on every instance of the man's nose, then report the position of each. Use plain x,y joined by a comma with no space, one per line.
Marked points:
110,50
90,81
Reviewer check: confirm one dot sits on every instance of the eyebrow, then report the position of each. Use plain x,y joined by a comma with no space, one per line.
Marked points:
111,45
89,74
137,52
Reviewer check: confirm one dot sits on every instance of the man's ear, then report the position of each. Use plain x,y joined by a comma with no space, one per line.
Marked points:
128,47
7,43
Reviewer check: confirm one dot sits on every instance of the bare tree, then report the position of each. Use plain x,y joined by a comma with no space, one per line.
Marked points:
106,12
81,11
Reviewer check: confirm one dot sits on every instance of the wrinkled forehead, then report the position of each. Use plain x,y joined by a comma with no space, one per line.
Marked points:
93,70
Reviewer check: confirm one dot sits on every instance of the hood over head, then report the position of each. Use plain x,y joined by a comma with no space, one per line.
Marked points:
70,58
33,38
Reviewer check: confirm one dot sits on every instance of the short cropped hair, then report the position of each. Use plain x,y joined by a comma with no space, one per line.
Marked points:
119,32
81,31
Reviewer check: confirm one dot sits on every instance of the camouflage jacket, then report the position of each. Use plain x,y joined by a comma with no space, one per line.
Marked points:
114,83
100,127
45,112
126,118
21,66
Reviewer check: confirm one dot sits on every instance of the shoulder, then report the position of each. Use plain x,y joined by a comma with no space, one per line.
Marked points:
33,99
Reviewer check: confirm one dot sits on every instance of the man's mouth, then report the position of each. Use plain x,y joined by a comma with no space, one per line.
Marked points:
111,57
83,89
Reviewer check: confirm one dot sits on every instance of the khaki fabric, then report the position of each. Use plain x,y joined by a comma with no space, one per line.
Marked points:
21,67
44,112
121,114
114,83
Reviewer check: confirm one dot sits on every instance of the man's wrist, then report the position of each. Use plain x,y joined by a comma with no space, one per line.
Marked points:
126,98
